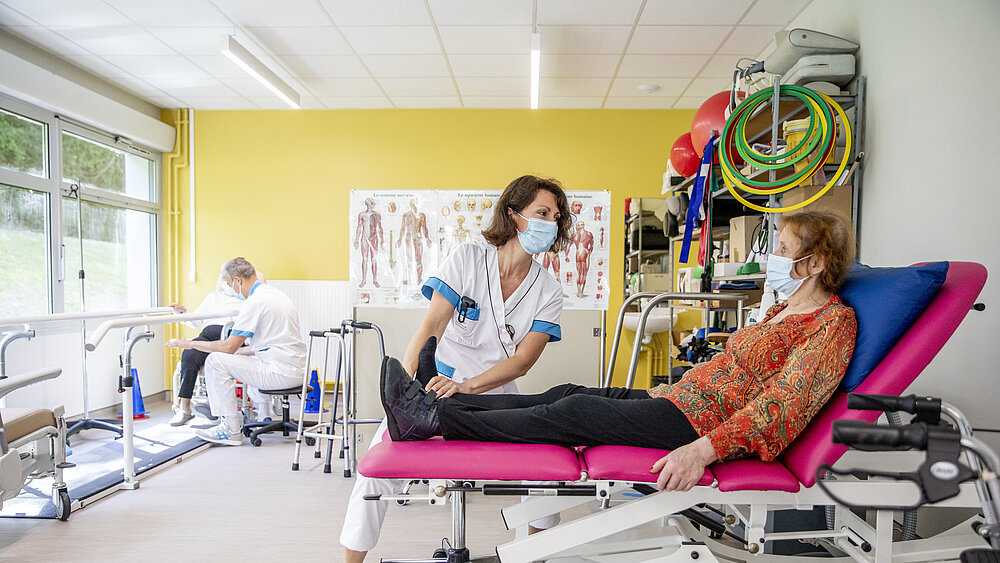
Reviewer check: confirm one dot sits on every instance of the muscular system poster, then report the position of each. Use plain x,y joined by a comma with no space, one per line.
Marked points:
398,237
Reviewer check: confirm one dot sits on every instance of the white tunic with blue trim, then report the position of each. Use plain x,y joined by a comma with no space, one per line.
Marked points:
271,324
492,328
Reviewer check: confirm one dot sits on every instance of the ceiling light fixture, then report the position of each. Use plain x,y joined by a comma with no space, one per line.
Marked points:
647,88
243,58
536,61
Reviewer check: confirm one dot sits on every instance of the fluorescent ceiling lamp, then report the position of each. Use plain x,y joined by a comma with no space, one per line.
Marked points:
252,65
536,60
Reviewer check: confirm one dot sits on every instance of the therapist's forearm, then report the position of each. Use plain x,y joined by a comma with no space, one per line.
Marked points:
224,346
498,375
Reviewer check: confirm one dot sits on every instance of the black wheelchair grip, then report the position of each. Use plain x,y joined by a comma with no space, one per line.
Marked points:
855,433
863,402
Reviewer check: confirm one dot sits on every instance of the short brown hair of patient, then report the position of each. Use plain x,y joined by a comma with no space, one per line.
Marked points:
518,195
828,236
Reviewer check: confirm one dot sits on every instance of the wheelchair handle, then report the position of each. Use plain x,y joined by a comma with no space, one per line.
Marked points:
910,403
855,433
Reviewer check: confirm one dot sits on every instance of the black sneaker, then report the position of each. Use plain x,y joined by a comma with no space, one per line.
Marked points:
426,366
410,412
204,410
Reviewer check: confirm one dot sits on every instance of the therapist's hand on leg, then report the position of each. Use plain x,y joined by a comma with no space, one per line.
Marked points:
445,387
681,469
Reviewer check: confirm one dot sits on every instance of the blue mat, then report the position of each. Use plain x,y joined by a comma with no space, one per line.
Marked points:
100,468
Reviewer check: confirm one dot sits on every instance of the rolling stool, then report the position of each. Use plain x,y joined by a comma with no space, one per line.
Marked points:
254,429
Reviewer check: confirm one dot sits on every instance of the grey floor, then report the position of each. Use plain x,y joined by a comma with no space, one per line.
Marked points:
237,503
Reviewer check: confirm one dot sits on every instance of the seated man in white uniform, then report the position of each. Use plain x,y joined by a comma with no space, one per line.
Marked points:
269,324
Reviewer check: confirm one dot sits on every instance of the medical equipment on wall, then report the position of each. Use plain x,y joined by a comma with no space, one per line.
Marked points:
792,45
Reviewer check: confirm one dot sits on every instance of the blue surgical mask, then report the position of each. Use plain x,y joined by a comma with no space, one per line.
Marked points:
779,274
538,236
239,294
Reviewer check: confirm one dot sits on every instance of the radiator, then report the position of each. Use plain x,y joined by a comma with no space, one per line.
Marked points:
321,304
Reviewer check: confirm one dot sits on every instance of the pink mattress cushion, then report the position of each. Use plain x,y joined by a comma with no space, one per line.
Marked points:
459,459
628,463
754,475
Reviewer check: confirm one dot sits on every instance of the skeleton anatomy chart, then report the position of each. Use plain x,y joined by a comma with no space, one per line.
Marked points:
398,237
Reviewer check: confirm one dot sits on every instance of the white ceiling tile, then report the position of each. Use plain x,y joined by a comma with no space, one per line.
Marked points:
587,12
507,86
584,38
427,102
406,65
689,102
164,102
749,39
180,13
662,65
637,102
98,66
578,65
570,102
700,12
138,87
573,87
486,39
308,102
324,40
491,65
48,40
669,87
722,66
377,12
494,12
193,40
774,12
219,67
496,102
11,17
358,87
410,40
286,13
248,87
182,88
124,40
349,102
705,87
337,66
271,102
158,67
432,86
209,103
677,39
70,13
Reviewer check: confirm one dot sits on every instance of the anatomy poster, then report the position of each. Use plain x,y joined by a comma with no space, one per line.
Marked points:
398,237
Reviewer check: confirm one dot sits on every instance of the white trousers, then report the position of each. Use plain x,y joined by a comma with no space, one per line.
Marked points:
222,371
363,521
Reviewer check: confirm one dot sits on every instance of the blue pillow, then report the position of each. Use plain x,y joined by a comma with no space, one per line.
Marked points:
886,302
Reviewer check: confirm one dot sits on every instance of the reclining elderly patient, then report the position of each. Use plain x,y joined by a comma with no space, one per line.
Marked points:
753,398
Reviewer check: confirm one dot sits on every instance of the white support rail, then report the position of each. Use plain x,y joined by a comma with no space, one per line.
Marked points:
103,329
11,321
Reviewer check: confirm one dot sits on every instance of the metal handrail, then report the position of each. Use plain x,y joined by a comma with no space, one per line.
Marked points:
102,330
80,316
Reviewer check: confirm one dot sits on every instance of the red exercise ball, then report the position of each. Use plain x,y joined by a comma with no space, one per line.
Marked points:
683,157
711,115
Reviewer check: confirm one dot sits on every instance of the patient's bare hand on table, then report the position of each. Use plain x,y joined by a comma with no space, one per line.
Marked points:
445,387
681,469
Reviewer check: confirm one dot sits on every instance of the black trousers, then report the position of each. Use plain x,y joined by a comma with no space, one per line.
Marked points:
567,415
192,360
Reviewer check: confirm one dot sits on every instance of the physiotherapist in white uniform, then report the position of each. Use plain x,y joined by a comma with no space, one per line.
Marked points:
275,357
493,309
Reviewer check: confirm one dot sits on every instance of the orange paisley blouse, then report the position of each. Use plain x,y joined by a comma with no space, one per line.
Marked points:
771,380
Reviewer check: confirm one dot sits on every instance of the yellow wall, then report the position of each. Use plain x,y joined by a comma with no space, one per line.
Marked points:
274,185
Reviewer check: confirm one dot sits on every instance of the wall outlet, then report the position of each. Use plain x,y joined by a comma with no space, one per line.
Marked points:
360,438
597,332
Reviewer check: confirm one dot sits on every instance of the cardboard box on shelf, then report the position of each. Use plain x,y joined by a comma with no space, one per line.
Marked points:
741,230
837,199
656,282
726,268
651,267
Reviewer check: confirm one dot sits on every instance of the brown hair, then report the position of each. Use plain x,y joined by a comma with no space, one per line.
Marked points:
516,196
828,236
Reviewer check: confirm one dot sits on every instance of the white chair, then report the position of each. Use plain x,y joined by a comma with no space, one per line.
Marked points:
33,444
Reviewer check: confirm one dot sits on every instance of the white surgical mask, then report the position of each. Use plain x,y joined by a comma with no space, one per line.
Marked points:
239,294
538,236
779,274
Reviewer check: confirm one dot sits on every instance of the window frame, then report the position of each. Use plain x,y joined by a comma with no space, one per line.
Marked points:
56,189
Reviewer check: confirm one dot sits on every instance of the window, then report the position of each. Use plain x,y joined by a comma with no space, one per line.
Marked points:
24,260
53,172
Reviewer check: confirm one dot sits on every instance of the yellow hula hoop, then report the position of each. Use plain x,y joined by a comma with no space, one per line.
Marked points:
731,183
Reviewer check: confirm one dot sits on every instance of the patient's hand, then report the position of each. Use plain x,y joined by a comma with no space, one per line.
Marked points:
445,387
681,469
179,343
